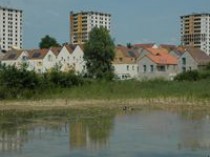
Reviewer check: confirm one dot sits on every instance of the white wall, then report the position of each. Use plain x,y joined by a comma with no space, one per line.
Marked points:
126,71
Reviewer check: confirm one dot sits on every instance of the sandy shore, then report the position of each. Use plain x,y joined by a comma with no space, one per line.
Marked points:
166,103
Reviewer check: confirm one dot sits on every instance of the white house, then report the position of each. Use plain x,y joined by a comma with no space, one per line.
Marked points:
41,60
63,58
15,58
77,59
124,63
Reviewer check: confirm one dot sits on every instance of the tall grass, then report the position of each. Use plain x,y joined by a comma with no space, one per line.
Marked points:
131,89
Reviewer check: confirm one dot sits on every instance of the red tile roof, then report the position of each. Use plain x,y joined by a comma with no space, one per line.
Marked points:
165,59
161,56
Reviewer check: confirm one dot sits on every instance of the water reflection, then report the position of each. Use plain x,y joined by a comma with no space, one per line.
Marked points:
75,132
93,131
194,129
87,129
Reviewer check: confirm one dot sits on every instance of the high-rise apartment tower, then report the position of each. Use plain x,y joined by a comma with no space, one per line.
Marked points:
82,23
10,28
195,31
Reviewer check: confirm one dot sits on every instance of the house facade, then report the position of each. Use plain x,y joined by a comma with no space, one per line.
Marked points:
129,63
193,59
124,63
157,63
15,58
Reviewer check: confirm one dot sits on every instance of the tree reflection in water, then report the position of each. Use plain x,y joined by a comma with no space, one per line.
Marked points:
87,128
91,129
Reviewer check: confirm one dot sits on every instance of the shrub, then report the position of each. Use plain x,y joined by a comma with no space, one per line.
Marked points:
61,79
188,76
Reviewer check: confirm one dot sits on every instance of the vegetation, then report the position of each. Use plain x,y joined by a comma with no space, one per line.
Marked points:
20,83
99,54
194,75
23,84
47,42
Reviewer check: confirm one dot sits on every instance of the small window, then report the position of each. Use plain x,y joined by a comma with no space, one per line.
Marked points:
145,68
50,58
151,68
127,67
184,61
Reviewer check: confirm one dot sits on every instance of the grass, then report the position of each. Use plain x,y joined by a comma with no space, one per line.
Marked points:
116,94
131,89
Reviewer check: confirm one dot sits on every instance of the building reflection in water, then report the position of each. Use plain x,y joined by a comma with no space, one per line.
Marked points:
194,130
91,133
12,142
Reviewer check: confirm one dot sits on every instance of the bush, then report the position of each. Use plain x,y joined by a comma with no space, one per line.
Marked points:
61,79
188,76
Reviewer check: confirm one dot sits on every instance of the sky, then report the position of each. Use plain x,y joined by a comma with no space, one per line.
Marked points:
133,21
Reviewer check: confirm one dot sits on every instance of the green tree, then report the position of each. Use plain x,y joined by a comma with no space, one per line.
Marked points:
99,54
47,42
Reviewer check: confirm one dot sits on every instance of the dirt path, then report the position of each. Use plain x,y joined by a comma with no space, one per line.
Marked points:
164,103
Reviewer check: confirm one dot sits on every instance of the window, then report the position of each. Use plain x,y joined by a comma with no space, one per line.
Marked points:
151,68
184,61
145,68
127,67
161,68
50,58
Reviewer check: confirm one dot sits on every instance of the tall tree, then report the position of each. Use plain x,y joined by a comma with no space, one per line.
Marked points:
99,54
47,42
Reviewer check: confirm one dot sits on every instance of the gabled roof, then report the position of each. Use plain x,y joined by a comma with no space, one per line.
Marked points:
146,45
168,47
198,55
128,55
165,59
70,48
123,49
12,54
36,54
155,51
56,50
161,56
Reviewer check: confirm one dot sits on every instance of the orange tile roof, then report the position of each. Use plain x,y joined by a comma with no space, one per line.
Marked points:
163,59
156,51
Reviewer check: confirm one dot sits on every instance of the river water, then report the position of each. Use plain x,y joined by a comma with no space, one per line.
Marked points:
103,133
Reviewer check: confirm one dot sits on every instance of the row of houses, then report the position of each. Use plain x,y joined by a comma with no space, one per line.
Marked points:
68,57
140,61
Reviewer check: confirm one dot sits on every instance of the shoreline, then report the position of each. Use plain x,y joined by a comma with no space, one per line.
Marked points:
136,104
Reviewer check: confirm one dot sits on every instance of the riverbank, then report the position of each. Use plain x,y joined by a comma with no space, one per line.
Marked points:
119,104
